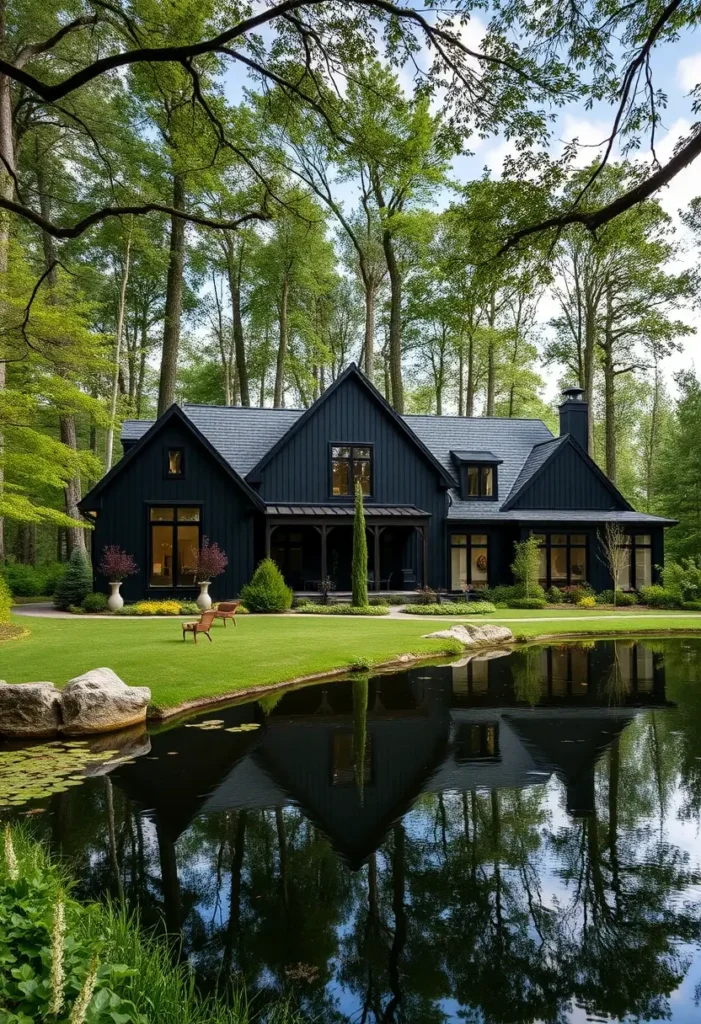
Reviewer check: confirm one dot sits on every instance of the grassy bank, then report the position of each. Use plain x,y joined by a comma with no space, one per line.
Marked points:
64,960
265,650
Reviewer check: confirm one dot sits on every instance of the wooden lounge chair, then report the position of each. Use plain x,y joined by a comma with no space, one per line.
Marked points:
203,626
227,610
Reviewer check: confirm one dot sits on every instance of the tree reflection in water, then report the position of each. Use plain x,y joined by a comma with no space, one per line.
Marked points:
517,842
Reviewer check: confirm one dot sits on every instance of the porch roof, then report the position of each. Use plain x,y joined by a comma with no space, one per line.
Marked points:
332,511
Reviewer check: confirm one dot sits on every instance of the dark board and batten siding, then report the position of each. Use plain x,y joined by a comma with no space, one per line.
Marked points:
402,475
226,513
567,481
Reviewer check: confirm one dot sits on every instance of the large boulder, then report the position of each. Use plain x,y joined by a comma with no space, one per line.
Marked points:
486,635
31,710
98,701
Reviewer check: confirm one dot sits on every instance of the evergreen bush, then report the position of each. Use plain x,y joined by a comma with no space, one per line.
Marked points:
76,582
553,595
5,601
359,569
267,591
95,603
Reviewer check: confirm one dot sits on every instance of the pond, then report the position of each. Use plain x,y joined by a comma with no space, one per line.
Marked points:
514,838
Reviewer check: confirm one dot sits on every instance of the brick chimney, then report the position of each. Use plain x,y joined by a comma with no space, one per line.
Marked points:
574,416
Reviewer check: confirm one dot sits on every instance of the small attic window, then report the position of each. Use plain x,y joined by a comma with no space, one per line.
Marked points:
176,462
477,474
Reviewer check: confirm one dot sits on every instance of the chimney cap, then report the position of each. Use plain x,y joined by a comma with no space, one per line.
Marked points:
573,394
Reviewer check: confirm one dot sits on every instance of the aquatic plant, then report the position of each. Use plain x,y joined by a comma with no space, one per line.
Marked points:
39,771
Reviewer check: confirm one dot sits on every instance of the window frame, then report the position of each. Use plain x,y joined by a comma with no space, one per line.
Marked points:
349,460
547,546
479,466
173,523
174,448
467,547
632,546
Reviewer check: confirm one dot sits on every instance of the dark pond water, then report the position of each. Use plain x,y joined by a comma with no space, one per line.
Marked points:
499,840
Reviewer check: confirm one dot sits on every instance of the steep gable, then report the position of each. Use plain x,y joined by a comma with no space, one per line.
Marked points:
560,475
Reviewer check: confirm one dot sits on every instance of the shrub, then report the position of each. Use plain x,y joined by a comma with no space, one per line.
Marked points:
501,595
605,597
526,568
458,608
527,602
683,578
395,599
94,603
624,599
5,601
692,606
30,581
553,595
587,601
75,609
190,608
116,564
659,597
267,591
211,561
76,581
425,595
343,609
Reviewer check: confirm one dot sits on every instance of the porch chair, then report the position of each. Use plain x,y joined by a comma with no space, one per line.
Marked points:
203,626
227,610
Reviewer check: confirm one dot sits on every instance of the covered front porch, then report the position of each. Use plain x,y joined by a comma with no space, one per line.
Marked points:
312,543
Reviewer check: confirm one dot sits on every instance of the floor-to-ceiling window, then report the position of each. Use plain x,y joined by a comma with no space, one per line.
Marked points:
635,570
563,559
468,560
175,541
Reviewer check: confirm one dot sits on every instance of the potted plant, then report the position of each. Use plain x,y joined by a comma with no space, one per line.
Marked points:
116,565
211,561
325,587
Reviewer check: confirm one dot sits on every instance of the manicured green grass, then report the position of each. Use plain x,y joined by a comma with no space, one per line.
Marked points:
267,649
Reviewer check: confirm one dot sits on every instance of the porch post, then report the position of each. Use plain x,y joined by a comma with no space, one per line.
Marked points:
324,569
425,554
376,558
268,535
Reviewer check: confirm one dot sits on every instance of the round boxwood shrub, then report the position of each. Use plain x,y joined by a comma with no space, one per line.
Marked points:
76,582
267,591
95,603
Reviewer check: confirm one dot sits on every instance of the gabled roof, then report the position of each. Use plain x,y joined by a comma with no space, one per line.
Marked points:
174,413
352,372
539,459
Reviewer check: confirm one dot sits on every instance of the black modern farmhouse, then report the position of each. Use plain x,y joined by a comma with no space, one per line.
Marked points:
446,497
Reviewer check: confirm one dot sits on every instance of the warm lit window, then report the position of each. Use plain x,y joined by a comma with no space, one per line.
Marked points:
351,464
175,541
175,462
479,482
563,559
635,570
468,560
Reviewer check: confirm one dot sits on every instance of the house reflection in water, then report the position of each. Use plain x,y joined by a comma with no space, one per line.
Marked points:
484,723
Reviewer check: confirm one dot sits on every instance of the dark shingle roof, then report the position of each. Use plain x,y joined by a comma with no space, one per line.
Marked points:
538,457
473,456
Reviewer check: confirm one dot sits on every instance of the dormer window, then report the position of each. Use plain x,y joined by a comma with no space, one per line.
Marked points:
176,462
477,474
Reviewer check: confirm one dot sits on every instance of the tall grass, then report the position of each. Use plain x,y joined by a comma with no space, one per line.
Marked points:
103,937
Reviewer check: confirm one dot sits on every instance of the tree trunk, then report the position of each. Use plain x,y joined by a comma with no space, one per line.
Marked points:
174,301
369,339
491,387
142,366
461,382
7,151
235,274
607,345
470,395
118,350
587,381
395,322
282,347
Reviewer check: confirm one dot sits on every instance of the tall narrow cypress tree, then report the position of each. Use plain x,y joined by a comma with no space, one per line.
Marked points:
359,571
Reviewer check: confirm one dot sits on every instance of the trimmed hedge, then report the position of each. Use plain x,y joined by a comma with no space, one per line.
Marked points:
459,608
660,597
342,609
527,602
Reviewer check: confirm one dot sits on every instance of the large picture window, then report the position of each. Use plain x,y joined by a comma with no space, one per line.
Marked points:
635,570
351,464
563,559
468,560
175,541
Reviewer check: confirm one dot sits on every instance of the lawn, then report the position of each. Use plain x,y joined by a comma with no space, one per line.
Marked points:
264,650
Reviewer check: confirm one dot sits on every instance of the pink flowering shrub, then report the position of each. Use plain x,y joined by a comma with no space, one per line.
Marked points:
211,561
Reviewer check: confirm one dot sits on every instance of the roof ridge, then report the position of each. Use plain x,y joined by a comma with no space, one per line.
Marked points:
248,408
469,419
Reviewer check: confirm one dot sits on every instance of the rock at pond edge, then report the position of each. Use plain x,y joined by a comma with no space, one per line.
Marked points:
475,636
98,701
31,710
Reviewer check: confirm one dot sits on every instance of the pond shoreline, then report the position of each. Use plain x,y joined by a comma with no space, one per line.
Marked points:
165,714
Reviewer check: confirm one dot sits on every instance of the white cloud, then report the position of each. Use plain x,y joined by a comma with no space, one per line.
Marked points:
689,72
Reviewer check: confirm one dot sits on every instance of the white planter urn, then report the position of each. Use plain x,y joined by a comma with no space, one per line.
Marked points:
115,601
204,601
